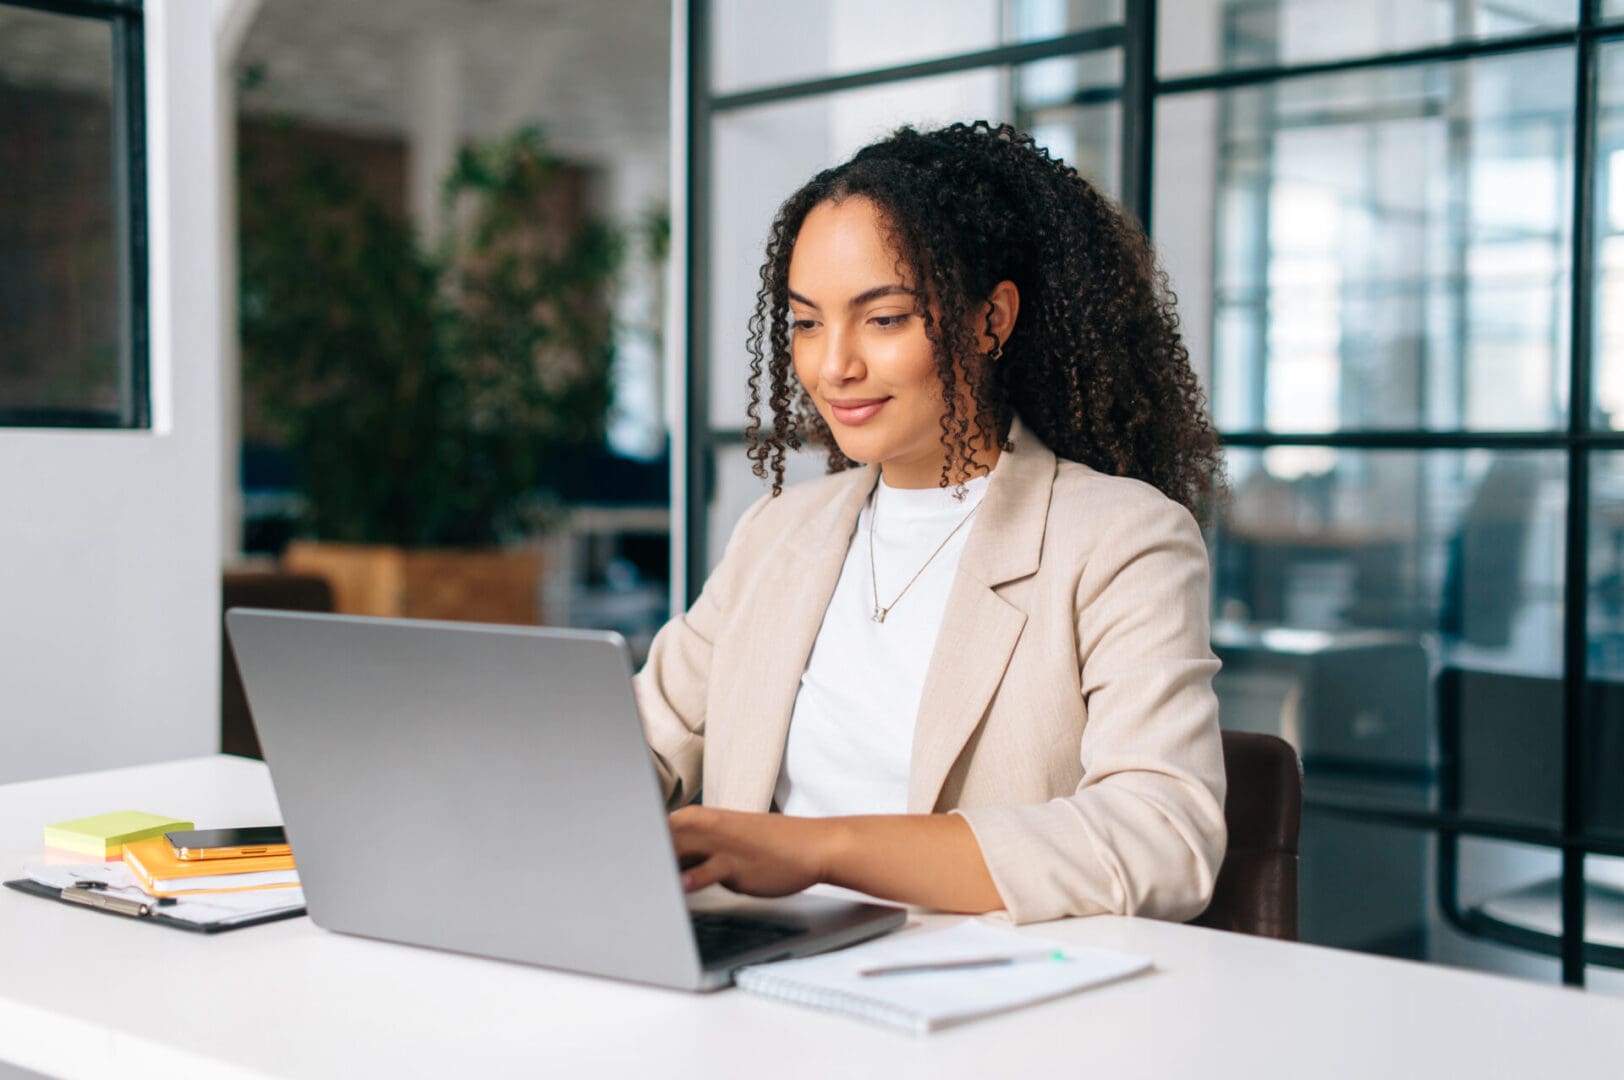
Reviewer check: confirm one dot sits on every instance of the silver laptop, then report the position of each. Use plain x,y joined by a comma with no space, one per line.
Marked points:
487,789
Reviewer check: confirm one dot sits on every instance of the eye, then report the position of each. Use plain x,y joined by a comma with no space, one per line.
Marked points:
886,322
801,326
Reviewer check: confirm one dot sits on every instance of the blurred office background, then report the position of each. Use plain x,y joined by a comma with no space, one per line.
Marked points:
1395,227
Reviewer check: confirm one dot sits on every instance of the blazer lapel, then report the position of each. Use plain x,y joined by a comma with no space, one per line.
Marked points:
743,757
980,628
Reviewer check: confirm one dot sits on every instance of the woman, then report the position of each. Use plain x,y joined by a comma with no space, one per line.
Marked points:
974,673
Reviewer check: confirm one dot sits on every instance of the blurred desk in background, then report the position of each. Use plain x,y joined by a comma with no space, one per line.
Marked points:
1315,576
607,571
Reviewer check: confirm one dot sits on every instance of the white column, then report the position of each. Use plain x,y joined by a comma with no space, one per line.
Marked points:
676,312
433,108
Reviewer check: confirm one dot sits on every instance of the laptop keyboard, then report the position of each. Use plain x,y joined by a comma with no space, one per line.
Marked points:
721,936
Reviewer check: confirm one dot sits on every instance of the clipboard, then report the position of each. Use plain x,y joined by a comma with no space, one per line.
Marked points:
155,913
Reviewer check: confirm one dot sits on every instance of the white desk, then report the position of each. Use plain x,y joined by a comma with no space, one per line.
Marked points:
88,995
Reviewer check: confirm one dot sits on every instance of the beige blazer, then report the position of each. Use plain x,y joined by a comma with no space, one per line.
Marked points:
1068,712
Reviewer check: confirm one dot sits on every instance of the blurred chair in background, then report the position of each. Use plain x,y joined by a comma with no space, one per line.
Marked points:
1484,574
267,589
1502,761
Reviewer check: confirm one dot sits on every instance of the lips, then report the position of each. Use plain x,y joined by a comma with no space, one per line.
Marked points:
857,411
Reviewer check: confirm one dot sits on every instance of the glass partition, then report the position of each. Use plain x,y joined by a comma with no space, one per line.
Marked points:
1397,616
1604,726
757,44
1213,35
1368,214
1607,410
1381,250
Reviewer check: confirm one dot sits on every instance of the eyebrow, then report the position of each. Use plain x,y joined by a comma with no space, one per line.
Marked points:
860,299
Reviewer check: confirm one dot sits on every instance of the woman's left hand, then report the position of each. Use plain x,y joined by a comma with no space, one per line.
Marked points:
757,854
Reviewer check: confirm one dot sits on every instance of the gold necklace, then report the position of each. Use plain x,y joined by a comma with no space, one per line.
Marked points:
873,575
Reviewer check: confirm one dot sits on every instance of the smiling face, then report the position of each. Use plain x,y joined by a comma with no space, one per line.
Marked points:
860,347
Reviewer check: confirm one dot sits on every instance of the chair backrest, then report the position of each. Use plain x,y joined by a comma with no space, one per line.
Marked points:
1256,891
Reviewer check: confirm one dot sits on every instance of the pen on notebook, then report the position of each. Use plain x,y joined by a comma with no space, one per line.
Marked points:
1053,955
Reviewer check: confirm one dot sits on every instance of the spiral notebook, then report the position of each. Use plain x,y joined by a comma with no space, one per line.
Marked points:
934,993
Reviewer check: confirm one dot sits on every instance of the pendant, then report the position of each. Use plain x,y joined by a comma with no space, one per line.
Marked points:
879,614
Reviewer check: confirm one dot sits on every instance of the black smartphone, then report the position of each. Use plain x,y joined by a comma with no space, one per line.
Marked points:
228,843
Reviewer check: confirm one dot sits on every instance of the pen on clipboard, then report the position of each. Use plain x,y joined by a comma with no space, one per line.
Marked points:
90,895
1051,955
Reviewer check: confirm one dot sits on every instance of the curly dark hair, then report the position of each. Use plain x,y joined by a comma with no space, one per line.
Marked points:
1094,365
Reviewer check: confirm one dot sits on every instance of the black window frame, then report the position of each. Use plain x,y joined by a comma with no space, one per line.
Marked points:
128,150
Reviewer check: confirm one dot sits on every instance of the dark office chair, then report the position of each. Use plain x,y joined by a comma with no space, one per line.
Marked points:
271,589
1256,892
1501,736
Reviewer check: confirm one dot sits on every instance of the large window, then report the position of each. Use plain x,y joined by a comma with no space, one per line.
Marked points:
1382,218
72,216
1390,246
1395,233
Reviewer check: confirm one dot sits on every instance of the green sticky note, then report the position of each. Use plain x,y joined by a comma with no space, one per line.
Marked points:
105,835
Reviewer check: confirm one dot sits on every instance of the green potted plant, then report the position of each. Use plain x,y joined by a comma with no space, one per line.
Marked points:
419,391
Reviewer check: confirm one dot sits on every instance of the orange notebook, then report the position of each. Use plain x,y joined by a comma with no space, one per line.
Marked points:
161,874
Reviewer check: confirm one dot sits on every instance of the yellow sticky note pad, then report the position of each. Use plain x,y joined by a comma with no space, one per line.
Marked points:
105,835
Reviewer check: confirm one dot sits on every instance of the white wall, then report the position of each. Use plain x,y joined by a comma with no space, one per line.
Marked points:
109,599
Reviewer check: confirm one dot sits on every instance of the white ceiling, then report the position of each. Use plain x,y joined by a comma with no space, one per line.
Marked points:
593,73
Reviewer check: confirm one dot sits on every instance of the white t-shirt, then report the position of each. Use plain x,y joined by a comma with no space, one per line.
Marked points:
850,738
